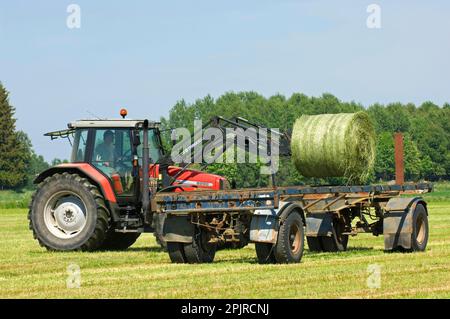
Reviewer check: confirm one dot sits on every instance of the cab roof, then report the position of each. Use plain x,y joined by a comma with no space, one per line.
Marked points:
113,123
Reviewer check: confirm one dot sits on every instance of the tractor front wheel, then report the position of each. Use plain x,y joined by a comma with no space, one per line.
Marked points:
68,212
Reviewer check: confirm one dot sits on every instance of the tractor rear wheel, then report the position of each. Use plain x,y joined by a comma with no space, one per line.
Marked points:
68,212
119,241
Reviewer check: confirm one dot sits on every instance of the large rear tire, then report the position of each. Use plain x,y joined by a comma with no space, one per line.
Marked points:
68,212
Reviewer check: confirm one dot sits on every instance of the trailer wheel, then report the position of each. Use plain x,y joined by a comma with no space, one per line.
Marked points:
119,241
176,252
200,250
337,241
265,253
291,240
419,235
67,212
314,244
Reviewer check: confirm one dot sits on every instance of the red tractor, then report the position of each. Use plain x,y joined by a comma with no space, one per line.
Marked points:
97,200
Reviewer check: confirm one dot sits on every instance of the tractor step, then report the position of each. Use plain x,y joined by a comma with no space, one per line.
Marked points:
125,230
133,220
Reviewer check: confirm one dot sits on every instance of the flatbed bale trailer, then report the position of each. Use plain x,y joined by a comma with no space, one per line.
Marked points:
278,219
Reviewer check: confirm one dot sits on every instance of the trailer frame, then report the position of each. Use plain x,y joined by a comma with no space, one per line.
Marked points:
377,209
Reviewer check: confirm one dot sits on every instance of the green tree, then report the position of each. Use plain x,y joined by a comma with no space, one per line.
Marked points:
58,161
426,129
14,148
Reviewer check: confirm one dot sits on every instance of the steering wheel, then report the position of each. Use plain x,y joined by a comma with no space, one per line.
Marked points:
125,160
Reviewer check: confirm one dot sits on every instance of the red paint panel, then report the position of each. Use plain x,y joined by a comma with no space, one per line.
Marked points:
192,180
95,175
195,180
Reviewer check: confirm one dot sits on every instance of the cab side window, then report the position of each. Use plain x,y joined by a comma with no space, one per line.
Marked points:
79,149
112,154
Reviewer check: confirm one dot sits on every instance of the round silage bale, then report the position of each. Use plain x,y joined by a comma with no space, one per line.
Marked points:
334,145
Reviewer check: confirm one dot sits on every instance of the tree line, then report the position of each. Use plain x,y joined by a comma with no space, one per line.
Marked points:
19,164
426,130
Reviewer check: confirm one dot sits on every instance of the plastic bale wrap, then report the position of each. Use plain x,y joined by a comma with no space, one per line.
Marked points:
334,145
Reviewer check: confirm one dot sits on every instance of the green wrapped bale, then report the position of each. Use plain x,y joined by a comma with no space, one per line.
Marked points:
334,145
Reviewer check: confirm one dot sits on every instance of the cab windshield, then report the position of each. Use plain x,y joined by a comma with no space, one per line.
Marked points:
154,146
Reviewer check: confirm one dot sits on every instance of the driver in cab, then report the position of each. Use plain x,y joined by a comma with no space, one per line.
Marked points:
104,152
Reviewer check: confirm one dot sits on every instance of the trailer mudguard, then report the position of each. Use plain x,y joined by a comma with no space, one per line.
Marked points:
176,228
266,222
319,225
398,222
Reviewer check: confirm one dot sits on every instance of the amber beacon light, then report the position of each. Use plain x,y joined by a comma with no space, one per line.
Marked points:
123,113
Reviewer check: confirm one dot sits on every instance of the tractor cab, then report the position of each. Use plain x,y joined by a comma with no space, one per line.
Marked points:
111,153
115,149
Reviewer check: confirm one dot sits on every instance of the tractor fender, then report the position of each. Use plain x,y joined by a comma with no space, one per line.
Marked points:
266,222
94,176
398,221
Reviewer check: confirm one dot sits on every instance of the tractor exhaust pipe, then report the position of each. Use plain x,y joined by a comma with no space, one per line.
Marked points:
145,173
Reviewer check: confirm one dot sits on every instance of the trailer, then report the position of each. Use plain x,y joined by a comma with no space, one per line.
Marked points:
279,219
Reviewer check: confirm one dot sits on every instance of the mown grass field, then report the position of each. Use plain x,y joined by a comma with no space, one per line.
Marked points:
144,271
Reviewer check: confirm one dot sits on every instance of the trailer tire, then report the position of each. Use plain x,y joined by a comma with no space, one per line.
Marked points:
337,242
176,252
68,213
419,235
314,244
200,250
291,240
119,241
265,253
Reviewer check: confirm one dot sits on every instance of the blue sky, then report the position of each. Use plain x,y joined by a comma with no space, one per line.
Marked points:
146,55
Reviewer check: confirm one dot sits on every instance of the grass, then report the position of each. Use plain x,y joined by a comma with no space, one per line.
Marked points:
441,192
144,271
12,199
